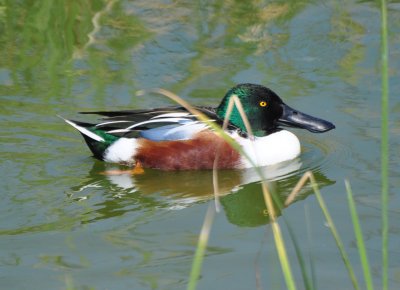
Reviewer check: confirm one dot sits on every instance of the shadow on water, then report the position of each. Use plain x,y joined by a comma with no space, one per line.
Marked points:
241,194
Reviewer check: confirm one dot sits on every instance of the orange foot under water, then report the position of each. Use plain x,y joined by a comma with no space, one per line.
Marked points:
138,169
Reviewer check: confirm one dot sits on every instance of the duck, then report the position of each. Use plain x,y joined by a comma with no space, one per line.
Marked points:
173,138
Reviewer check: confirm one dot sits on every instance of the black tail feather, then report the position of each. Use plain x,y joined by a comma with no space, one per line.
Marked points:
97,148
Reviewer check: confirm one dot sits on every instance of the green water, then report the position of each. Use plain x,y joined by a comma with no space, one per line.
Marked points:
64,225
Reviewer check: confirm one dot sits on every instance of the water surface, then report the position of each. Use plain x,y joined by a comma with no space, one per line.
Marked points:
65,225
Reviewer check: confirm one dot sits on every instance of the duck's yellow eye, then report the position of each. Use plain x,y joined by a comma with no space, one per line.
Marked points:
263,104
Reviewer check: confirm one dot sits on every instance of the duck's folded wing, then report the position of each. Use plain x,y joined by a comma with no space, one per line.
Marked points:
170,123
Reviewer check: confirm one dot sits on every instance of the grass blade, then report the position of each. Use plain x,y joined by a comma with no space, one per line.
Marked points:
333,229
279,242
360,240
308,283
280,245
201,248
385,145
310,239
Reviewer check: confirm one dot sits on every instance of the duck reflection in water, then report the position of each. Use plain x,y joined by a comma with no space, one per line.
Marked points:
240,191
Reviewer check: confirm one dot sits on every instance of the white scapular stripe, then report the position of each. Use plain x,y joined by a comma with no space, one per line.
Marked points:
111,122
173,115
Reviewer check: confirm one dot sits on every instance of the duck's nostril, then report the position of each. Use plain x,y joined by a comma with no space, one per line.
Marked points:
295,112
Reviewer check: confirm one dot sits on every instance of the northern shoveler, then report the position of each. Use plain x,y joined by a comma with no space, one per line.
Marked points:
172,138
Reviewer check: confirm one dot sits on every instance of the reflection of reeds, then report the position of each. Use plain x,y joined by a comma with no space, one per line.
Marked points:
96,24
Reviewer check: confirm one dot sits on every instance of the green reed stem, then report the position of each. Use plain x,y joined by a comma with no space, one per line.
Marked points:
201,248
385,144
268,197
278,238
334,231
308,282
360,240
282,254
279,241
310,242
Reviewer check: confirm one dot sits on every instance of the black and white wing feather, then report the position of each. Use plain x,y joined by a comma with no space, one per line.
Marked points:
170,123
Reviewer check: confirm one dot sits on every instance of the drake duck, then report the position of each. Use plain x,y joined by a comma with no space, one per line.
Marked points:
172,138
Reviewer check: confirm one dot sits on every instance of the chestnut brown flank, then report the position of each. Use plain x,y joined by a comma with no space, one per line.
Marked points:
196,153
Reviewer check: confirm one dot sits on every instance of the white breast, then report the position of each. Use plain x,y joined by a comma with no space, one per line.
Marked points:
272,149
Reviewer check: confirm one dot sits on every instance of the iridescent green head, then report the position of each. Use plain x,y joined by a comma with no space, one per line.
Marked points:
266,111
